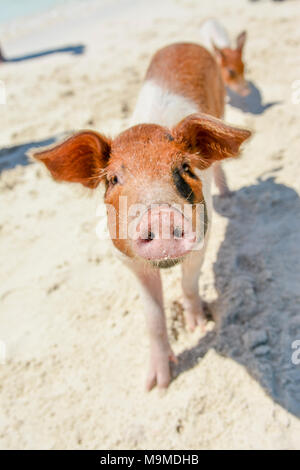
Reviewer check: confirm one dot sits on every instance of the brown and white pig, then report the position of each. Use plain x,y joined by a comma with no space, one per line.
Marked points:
163,163
214,37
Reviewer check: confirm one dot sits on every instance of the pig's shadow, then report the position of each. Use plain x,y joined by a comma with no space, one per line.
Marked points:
251,103
77,49
257,274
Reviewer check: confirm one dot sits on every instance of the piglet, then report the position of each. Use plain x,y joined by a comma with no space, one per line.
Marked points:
162,166
214,37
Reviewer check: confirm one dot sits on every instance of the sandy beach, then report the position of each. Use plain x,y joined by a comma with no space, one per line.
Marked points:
73,338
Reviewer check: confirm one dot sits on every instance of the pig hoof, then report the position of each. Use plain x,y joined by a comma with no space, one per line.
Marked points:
194,315
159,373
193,320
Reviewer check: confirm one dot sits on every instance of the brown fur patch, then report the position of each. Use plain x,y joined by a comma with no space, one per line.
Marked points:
191,71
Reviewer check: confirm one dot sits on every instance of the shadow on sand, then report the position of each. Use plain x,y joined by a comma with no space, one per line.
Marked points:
10,157
251,103
74,50
257,276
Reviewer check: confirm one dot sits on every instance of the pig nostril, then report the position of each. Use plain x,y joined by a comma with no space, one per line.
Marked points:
178,232
150,237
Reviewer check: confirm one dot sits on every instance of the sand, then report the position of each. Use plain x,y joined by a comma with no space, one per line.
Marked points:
73,337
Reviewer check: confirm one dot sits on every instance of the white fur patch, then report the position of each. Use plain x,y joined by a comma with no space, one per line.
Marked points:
157,105
212,32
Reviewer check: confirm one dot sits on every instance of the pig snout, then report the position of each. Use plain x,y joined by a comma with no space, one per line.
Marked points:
241,88
244,91
163,233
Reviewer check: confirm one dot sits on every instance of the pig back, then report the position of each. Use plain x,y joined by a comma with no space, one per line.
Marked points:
190,71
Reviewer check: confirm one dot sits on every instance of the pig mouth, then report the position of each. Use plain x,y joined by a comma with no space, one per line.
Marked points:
166,263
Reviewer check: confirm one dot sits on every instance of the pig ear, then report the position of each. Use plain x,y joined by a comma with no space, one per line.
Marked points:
218,53
240,40
209,138
79,159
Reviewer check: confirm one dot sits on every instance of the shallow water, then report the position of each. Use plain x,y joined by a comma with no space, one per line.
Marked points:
11,10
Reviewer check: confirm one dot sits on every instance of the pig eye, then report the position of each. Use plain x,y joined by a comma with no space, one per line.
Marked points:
187,170
113,180
232,73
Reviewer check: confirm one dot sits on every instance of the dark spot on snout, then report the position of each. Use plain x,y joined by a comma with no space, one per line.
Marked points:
169,137
182,186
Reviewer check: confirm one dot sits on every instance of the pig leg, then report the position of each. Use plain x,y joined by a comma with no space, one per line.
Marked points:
220,179
191,300
160,350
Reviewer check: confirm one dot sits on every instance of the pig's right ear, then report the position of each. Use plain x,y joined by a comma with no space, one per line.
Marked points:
80,159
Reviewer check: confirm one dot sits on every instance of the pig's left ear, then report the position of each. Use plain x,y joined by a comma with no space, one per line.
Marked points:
240,40
209,138
79,159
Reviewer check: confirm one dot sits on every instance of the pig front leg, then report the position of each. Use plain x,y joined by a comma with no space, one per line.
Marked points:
194,314
220,179
160,350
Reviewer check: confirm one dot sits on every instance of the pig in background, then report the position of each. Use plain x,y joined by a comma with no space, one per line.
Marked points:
164,162
214,37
